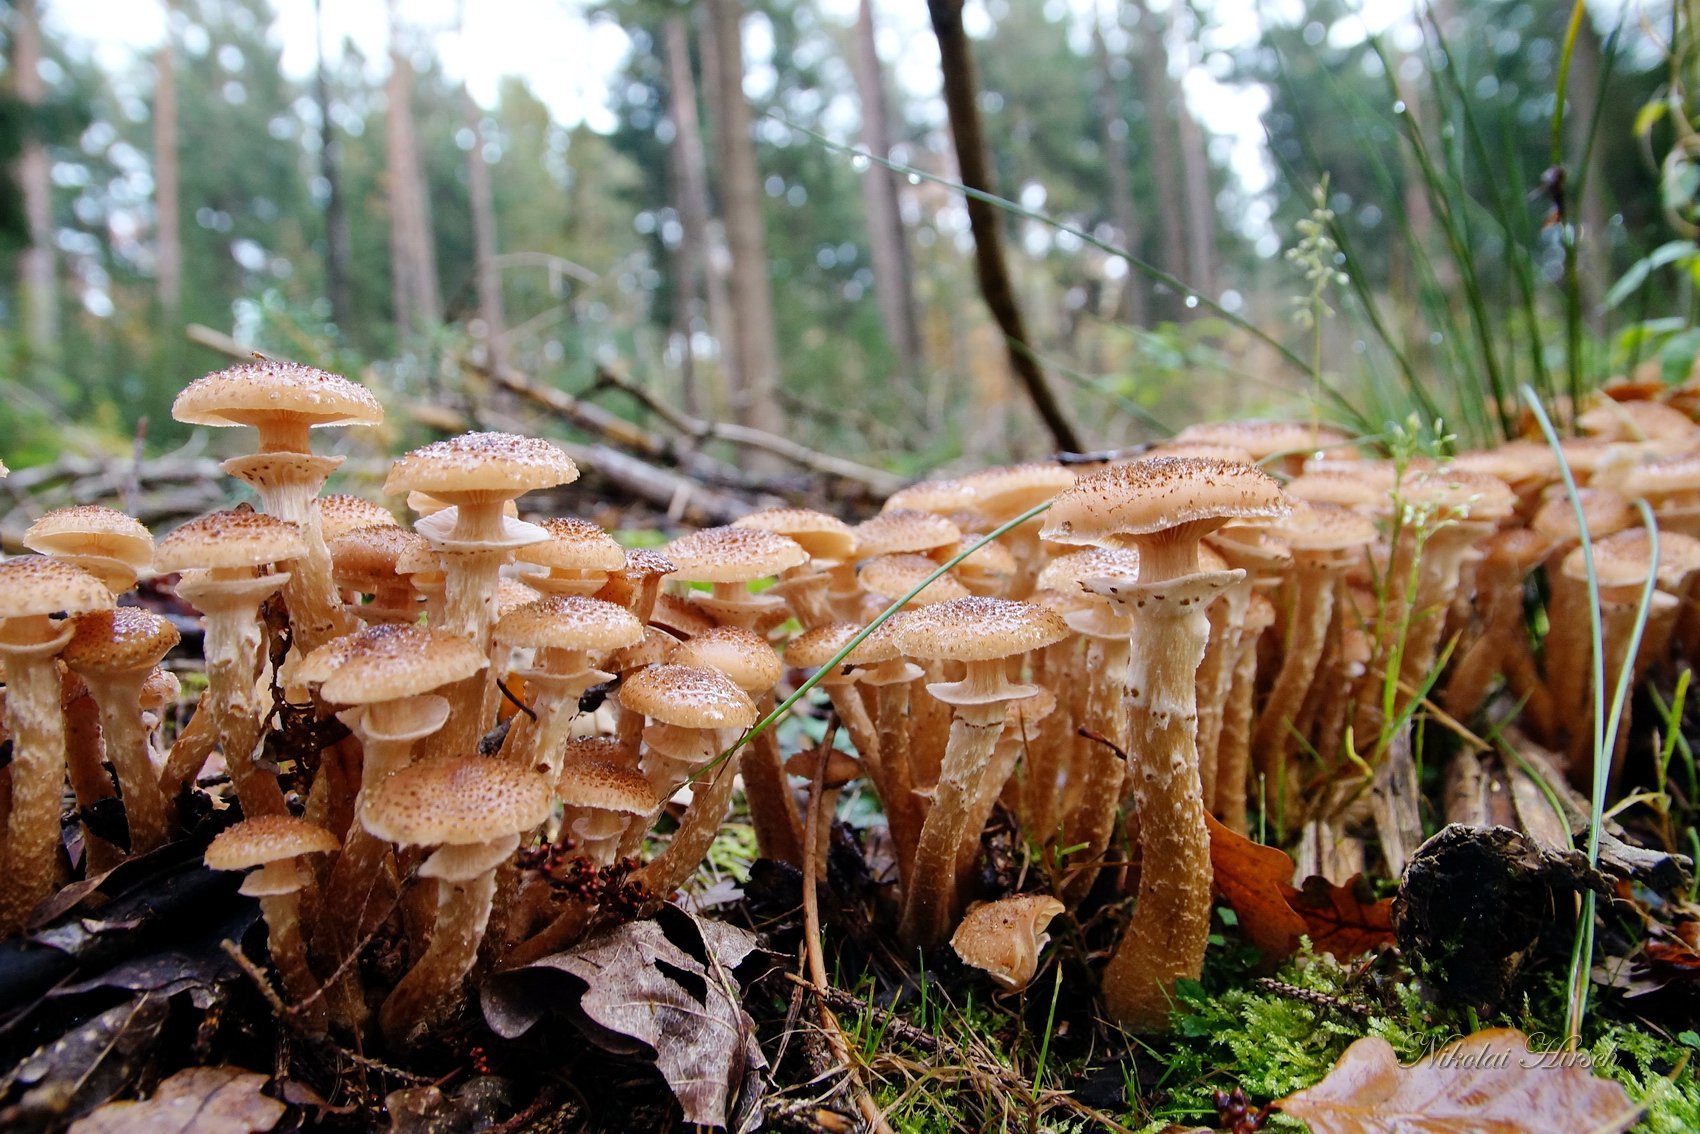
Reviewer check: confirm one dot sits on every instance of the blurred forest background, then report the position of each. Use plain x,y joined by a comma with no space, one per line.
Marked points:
707,240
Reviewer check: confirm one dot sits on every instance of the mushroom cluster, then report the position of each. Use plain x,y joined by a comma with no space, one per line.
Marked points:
1235,619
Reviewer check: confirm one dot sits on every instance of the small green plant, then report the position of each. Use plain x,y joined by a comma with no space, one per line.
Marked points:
1318,254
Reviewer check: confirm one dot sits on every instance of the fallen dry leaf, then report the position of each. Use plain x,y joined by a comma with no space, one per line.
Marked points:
1255,880
200,1100
1486,1083
1343,920
665,985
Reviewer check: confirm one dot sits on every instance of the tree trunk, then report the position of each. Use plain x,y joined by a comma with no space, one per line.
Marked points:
413,264
886,238
716,258
1130,301
37,277
484,242
961,93
1592,212
756,399
1200,197
337,238
1163,159
168,241
689,170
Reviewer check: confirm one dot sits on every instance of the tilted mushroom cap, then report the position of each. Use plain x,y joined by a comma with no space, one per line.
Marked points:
481,465
1515,462
651,649
257,392
575,545
1661,480
1065,573
979,629
1521,548
940,497
1264,439
826,538
904,530
688,697
1635,421
1153,496
1006,492
732,555
569,622
1603,510
388,662
988,562
647,563
119,640
266,839
741,655
841,767
230,539
1324,528
33,585
680,616
161,688
814,648
1003,938
1623,559
368,557
90,529
605,787
1344,488
1456,494
457,801
893,576
511,594
340,513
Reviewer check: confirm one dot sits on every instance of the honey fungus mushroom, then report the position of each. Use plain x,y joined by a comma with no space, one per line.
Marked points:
1003,939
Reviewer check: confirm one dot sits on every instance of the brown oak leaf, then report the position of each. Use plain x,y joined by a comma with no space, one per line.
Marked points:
1486,1083
200,1100
1255,880
1343,920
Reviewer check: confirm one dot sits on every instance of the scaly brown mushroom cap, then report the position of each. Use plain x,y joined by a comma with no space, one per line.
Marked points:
941,497
1003,493
574,545
457,801
1455,494
229,539
481,466
1603,510
35,586
1364,491
89,529
826,538
732,555
340,513
978,629
1635,421
900,531
1323,528
266,839
893,576
814,648
369,557
281,396
119,640
1265,439
1003,939
605,786
743,656
569,622
389,662
687,697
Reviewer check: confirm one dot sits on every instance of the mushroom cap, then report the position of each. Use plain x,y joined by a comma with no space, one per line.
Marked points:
90,529
568,622
826,538
1153,496
1324,528
680,616
1459,495
1003,938
1264,439
1635,421
596,749
388,662
574,545
1066,572
1521,548
647,563
1623,559
1005,492
1345,488
511,594
1657,479
941,497
978,629
497,465
266,839
893,576
1603,510
899,531
841,767
340,513
235,538
1515,462
119,640
651,649
988,561
368,556
605,787
687,696
266,391
732,555
457,801
160,688
814,648
741,655
33,585
1213,450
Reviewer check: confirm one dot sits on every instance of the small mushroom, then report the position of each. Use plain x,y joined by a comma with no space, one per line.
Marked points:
1003,939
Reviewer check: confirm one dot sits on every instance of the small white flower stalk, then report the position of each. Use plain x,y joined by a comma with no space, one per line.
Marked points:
1318,254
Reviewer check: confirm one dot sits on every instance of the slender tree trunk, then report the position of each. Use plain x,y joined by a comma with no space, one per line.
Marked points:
1200,197
337,238
717,259
168,241
37,275
756,400
689,168
961,94
1592,211
1163,157
484,241
886,238
1112,126
412,259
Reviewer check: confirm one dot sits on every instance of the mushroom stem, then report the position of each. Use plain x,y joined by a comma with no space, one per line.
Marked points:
190,750
127,748
701,822
282,913
431,989
930,901
1094,819
903,821
1233,748
288,485
38,775
767,790
1313,609
89,781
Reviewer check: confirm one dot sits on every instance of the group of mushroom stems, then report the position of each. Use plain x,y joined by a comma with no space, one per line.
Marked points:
1234,619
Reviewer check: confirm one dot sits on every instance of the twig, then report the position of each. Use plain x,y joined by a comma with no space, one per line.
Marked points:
890,1022
812,944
